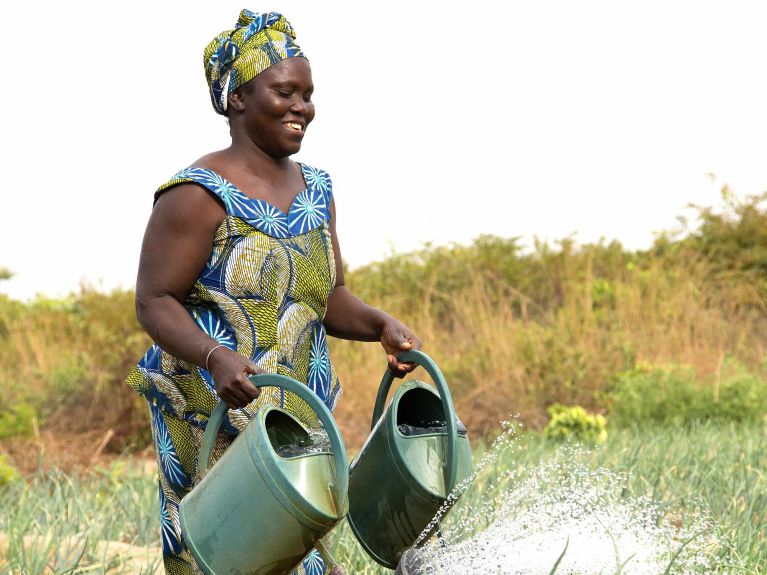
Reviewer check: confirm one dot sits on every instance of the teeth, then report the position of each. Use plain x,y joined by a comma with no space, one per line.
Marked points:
293,125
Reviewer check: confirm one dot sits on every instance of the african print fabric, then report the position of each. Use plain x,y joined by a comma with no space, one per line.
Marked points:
263,293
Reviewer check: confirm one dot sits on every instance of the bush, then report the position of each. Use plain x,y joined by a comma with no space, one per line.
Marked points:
674,395
8,472
742,395
575,423
17,420
646,394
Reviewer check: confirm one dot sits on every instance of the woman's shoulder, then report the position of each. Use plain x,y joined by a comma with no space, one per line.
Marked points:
317,179
200,173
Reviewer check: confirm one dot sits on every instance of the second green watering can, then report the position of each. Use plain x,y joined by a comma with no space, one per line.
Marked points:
261,509
414,457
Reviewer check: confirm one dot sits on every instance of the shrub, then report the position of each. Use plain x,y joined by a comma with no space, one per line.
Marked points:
674,395
646,394
17,420
69,377
8,472
575,423
742,396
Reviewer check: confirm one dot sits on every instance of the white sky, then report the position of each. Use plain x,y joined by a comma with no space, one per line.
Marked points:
437,121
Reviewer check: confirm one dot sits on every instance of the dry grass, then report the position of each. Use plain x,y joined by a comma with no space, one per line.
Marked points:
512,333
502,354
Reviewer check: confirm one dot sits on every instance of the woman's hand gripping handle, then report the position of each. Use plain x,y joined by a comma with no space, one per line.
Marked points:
230,371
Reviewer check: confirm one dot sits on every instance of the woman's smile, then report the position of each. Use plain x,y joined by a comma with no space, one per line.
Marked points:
295,127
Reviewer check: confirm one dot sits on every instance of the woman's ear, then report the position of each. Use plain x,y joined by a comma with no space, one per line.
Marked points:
235,101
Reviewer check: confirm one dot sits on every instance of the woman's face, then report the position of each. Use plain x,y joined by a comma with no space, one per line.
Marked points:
276,106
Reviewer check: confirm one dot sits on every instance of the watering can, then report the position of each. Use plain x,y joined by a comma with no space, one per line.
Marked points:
256,512
400,480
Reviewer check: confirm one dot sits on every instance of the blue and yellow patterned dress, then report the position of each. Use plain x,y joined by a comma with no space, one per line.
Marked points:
263,292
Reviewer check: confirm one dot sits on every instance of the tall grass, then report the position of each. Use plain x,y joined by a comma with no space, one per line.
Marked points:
514,330
502,353
62,363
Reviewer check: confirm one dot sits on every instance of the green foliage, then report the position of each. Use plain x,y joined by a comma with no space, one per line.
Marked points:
741,395
48,521
17,420
67,378
721,465
603,293
67,359
57,523
646,394
675,395
575,423
734,238
514,329
8,473
732,241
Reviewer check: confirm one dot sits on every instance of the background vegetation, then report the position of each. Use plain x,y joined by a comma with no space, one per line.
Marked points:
666,343
664,336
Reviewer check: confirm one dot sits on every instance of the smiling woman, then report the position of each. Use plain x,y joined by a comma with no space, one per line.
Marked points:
275,109
240,270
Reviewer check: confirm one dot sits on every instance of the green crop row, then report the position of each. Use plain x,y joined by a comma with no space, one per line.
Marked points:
712,475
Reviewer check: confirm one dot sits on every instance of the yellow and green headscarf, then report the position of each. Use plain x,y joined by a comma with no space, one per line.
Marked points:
237,56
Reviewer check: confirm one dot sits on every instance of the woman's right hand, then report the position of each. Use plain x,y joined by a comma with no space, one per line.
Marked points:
230,372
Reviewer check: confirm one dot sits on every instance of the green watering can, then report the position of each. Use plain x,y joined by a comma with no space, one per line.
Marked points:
256,512
399,480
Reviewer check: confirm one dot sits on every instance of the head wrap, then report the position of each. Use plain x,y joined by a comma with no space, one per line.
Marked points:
237,56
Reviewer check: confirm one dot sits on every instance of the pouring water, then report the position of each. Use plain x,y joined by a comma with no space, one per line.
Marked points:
557,516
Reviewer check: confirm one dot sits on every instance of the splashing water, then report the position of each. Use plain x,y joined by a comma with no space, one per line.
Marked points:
560,516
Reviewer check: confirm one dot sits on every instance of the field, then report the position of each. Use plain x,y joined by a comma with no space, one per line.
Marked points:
667,344
513,329
58,523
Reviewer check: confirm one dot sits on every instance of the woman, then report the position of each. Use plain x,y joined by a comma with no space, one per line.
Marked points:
240,270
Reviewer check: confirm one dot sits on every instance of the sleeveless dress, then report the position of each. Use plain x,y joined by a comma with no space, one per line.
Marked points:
263,292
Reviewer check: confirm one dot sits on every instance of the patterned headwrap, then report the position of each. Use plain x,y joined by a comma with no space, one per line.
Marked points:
237,56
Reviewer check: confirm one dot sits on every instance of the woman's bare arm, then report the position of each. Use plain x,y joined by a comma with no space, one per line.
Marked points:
177,244
348,317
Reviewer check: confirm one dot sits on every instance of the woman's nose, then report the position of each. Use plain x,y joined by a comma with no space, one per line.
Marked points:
299,106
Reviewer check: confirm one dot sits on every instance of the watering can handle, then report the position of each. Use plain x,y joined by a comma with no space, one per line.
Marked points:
314,402
451,465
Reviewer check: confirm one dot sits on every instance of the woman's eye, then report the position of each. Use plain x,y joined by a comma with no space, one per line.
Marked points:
284,93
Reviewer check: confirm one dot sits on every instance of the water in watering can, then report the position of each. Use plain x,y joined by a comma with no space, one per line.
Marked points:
259,511
428,427
559,516
316,441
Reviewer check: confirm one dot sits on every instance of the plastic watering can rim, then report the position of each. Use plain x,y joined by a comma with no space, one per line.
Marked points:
451,463
401,390
276,380
265,412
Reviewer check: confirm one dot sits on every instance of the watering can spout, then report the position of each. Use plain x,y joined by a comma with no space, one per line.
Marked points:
408,564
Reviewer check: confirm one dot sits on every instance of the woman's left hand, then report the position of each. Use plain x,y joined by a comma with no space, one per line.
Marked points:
397,337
